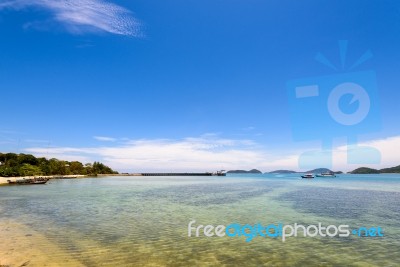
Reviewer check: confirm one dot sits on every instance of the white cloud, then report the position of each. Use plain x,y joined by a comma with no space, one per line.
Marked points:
104,138
80,16
206,153
388,147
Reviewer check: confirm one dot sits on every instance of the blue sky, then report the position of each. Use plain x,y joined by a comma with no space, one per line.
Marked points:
186,85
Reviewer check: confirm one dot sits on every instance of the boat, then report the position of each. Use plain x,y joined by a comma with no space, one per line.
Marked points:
327,174
308,175
219,173
38,181
29,181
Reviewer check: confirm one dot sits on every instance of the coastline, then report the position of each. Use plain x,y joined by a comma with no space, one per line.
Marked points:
3,180
21,248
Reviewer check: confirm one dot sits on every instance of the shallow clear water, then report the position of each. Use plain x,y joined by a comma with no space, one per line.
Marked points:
143,221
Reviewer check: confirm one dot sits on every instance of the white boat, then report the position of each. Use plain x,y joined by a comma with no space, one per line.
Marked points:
327,174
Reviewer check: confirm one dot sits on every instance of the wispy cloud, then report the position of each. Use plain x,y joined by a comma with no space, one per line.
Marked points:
79,16
105,139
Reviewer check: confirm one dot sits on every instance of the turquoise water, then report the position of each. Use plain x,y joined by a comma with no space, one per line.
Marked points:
143,221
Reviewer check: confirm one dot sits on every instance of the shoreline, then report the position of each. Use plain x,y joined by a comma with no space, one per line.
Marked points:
21,247
3,180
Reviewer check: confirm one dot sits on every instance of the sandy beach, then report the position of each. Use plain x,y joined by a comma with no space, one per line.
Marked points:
3,180
21,248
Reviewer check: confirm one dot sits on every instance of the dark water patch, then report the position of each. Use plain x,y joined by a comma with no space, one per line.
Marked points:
345,203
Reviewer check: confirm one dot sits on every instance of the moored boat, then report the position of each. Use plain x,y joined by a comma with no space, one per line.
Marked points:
327,174
308,176
29,181
219,173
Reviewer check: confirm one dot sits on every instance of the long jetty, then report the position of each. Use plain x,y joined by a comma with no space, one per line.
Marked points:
218,173
177,174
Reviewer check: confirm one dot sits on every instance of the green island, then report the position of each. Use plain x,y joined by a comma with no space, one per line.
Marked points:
365,170
14,165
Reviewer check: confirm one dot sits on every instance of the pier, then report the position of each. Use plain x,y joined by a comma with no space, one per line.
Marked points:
182,174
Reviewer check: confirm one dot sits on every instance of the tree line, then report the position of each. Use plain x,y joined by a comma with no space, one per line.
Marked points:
365,170
12,165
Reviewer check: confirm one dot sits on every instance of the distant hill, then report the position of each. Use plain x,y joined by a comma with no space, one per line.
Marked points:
390,170
253,171
283,171
365,170
320,170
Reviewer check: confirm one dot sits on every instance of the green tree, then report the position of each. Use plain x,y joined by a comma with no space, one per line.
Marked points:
57,167
100,168
76,167
12,164
43,164
29,170
2,158
27,158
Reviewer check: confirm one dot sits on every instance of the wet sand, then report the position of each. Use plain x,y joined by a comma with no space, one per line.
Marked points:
19,247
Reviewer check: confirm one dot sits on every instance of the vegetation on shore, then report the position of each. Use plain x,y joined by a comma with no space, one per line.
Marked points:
12,165
365,170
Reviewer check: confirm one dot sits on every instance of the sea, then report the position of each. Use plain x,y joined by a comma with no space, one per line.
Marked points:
144,221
